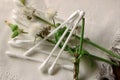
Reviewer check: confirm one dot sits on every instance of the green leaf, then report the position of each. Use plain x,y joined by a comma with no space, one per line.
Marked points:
59,33
57,24
15,33
13,27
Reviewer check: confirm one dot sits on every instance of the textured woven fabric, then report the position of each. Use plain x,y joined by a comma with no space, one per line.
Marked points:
102,22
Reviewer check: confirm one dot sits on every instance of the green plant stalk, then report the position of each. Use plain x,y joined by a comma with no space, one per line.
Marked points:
86,53
43,20
53,22
99,47
79,52
76,68
101,59
102,48
82,37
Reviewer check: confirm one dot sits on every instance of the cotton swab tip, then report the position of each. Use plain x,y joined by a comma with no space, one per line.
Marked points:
51,70
42,67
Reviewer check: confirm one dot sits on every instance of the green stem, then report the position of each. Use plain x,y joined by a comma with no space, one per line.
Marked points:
101,59
43,20
53,22
90,55
76,68
102,48
51,41
82,37
79,53
99,47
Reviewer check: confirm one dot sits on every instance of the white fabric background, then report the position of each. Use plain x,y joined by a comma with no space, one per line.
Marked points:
102,21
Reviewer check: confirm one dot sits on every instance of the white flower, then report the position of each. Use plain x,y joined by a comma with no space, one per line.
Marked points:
50,13
34,29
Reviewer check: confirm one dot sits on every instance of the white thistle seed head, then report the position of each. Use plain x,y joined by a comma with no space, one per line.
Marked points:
50,13
35,29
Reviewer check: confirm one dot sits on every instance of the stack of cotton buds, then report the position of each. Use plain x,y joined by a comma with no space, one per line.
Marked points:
34,29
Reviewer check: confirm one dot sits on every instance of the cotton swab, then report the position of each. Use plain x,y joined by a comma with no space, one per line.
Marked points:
46,61
51,53
76,16
51,69
18,43
42,66
66,67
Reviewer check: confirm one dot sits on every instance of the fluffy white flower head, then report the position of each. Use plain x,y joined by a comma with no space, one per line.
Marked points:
50,13
35,29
